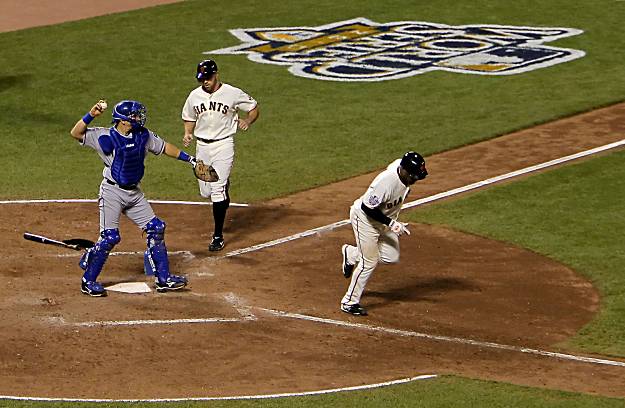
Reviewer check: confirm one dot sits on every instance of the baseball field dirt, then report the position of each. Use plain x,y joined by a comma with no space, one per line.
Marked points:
55,342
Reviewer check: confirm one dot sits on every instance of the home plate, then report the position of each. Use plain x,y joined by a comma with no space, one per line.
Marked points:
130,287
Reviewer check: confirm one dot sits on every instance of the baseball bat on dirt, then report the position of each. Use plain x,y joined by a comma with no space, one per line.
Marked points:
77,244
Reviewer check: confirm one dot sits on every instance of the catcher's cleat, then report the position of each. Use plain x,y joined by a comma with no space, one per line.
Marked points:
217,244
92,288
355,310
348,268
173,282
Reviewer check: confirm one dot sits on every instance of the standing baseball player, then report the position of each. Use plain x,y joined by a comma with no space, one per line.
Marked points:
211,114
123,149
374,221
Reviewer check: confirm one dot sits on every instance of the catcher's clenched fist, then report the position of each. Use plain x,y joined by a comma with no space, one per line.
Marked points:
98,108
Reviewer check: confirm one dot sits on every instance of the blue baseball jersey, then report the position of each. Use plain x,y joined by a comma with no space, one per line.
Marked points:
123,156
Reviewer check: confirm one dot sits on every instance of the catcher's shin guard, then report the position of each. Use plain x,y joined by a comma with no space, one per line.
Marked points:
94,258
156,261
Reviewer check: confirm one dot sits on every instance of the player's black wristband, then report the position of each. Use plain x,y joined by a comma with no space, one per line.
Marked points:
87,118
375,214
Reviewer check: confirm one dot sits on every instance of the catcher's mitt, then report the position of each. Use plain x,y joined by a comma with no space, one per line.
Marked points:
204,172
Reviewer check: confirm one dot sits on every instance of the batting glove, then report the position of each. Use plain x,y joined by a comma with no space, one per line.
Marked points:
399,228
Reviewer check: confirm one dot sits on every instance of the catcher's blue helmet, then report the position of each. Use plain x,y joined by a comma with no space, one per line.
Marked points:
414,164
205,69
131,111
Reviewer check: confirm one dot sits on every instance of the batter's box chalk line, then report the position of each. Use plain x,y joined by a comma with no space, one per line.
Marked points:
457,340
60,321
185,254
244,311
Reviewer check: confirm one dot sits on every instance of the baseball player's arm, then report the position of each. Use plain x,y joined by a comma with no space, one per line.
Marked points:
172,151
80,128
397,227
375,214
252,115
189,127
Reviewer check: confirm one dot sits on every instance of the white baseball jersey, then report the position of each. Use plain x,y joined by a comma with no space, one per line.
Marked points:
387,192
374,241
216,115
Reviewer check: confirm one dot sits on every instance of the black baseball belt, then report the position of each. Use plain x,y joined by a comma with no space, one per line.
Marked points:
211,140
122,186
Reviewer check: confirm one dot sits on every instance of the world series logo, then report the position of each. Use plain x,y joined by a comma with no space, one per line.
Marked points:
362,50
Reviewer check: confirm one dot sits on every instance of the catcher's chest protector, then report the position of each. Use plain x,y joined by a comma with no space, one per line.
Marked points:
129,156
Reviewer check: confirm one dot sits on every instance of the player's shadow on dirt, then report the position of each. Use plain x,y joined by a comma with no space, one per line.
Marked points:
423,290
260,218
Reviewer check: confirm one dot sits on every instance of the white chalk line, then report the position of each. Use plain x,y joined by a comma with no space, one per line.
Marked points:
89,200
188,254
60,321
160,322
425,200
513,174
240,397
408,333
239,304
236,302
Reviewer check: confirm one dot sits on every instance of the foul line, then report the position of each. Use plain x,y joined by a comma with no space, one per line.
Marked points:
429,199
88,200
408,333
242,397
516,173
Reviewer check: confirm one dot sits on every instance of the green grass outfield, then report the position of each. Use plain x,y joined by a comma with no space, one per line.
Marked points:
310,132
314,132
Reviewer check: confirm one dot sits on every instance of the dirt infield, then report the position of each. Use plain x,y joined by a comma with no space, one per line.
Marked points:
448,284
20,14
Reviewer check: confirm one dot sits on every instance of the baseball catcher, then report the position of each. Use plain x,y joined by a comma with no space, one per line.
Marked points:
123,149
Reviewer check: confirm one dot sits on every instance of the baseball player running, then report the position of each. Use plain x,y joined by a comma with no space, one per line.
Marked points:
123,148
374,221
211,114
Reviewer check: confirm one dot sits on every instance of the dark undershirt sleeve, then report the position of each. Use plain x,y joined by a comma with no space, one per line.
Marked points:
375,214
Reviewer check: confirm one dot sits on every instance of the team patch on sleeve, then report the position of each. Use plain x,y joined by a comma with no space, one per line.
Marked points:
373,201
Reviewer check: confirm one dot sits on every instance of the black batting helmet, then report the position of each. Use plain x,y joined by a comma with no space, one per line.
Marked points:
414,164
205,69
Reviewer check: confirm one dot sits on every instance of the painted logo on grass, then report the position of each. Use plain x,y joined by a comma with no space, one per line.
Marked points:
362,50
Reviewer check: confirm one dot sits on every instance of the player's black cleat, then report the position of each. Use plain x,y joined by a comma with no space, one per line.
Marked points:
173,282
355,310
217,244
92,288
348,268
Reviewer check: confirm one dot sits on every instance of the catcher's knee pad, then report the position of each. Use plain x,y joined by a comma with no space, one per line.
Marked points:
94,258
155,230
155,259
